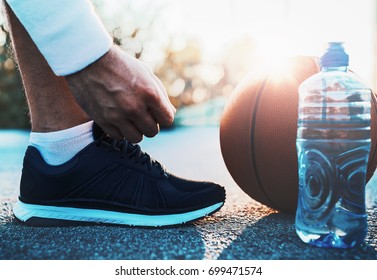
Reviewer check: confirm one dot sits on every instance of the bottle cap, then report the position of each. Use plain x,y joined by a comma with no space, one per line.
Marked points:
334,56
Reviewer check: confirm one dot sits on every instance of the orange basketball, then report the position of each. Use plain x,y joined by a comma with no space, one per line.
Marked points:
258,134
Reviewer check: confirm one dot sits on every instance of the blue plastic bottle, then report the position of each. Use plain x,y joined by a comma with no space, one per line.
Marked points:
333,144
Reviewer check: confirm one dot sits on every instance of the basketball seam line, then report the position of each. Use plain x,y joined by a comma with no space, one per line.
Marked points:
253,122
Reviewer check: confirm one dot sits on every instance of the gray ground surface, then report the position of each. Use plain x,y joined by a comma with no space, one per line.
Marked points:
242,229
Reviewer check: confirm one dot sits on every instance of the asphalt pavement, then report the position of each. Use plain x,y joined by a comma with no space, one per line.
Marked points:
242,229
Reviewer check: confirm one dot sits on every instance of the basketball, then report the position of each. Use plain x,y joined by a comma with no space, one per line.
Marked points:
258,133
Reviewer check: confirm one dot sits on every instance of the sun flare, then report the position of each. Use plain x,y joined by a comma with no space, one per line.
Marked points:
273,53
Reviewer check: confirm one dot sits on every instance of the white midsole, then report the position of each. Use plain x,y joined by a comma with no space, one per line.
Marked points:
25,211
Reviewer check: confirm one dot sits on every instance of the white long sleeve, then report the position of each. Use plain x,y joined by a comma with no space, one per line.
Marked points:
68,33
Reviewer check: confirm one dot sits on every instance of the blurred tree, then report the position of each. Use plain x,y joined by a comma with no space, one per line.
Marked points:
177,60
179,73
13,107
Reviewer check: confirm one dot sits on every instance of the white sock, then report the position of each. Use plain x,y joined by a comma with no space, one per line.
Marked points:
60,146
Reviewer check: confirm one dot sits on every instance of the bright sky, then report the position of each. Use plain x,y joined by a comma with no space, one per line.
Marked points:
281,27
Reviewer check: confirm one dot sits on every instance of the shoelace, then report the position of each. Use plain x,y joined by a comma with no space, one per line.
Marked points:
131,151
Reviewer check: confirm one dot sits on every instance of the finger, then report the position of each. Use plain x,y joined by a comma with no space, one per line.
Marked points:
147,125
160,108
160,86
162,114
112,131
130,132
163,90
159,104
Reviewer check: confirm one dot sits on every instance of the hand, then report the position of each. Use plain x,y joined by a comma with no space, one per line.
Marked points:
123,96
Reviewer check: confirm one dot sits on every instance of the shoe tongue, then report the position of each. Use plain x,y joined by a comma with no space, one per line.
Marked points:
97,131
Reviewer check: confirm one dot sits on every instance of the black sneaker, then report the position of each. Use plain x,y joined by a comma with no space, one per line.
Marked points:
111,182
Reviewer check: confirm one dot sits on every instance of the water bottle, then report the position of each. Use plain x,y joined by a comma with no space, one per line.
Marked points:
333,144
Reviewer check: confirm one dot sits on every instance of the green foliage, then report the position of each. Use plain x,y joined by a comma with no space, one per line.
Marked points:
188,77
13,107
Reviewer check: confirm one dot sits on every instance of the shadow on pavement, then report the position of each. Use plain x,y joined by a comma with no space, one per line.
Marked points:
274,237
99,242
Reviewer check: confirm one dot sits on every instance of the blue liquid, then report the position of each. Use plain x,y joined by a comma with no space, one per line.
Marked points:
332,177
333,145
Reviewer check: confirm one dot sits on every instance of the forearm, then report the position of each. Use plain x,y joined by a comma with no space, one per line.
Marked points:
117,91
67,32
